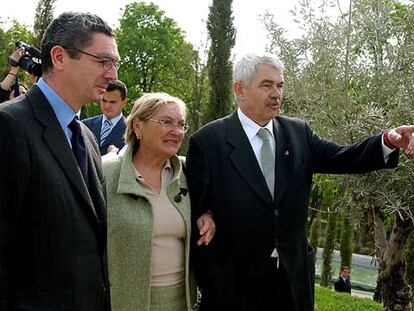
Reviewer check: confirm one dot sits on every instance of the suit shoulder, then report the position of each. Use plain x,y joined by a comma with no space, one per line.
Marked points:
294,125
121,123
16,107
111,162
213,127
291,121
91,119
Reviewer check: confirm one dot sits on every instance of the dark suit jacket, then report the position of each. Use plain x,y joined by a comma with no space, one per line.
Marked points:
116,137
224,176
343,286
52,229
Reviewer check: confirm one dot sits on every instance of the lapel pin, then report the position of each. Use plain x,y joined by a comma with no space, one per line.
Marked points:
286,152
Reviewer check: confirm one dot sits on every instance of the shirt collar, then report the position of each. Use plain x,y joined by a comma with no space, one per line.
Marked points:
167,166
250,127
63,111
113,120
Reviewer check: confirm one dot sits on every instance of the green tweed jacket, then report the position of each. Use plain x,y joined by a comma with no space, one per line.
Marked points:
130,233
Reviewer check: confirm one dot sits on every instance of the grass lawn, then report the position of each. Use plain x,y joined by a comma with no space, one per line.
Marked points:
329,300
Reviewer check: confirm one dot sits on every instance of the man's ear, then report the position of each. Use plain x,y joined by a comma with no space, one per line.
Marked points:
238,88
58,55
124,102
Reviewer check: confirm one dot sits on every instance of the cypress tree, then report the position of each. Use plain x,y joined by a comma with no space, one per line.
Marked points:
43,17
222,38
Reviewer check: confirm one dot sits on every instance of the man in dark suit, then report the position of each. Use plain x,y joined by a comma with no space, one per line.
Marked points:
257,189
52,205
109,127
343,284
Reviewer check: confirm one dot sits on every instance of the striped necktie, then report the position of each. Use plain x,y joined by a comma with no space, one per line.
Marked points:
106,129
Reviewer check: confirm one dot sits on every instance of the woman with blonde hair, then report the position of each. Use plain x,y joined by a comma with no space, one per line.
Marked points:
149,211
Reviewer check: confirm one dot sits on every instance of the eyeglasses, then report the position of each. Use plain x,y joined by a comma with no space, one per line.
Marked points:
182,126
107,63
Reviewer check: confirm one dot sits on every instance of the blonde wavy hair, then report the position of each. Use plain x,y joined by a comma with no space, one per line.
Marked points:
145,108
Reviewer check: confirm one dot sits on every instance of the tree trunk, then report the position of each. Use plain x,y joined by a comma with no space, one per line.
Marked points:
409,261
395,292
346,245
327,251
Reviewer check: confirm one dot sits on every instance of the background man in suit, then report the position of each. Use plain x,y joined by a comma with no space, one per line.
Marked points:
52,205
343,285
109,127
253,170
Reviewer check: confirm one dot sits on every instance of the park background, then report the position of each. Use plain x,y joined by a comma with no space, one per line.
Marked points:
349,73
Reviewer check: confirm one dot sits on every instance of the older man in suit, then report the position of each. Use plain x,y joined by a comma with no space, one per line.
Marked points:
253,169
52,205
109,127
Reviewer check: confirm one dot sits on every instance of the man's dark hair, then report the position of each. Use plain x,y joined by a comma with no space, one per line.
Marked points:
344,268
117,85
71,30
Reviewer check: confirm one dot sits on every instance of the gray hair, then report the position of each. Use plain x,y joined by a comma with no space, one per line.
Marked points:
72,31
245,69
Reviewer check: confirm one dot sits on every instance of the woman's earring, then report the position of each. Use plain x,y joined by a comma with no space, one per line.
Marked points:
139,135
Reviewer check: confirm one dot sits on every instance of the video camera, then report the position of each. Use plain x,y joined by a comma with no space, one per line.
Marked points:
30,60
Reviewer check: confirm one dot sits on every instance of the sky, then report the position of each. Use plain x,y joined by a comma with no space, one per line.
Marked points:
190,15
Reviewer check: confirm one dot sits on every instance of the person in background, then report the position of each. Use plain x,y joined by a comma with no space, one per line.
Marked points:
253,169
149,216
109,127
343,284
10,86
52,204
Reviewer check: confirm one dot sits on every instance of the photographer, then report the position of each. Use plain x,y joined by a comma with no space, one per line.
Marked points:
6,86
27,58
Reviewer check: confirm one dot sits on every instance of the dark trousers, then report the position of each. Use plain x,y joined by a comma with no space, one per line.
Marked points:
275,293
272,293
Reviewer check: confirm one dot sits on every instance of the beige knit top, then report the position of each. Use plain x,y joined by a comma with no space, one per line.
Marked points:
169,232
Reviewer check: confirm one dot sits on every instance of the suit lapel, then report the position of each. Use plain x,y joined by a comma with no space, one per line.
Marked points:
55,139
283,165
95,191
116,131
96,127
244,159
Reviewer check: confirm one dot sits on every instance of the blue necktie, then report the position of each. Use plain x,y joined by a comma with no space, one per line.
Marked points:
105,131
78,148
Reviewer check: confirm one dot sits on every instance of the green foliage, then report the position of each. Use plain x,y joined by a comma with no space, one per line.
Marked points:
222,35
90,110
328,300
43,17
154,53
